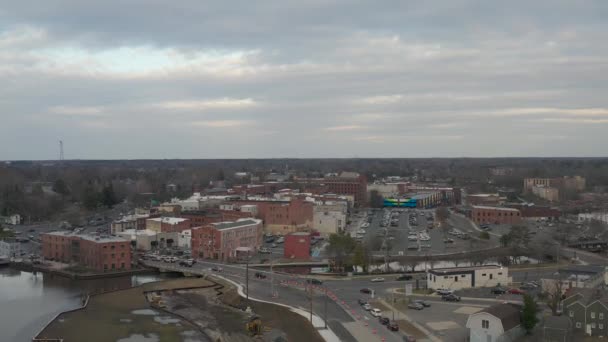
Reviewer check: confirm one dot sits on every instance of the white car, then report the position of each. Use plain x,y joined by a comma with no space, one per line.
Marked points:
376,280
367,307
375,312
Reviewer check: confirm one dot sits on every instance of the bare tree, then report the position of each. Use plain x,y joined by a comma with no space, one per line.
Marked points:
554,294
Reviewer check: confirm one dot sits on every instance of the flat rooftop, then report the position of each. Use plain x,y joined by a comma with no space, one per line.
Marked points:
493,208
464,269
168,220
236,224
89,237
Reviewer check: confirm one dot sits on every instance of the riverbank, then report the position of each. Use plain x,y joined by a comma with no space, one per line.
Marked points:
76,274
185,309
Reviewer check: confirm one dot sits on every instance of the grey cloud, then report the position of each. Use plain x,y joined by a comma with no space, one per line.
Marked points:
460,73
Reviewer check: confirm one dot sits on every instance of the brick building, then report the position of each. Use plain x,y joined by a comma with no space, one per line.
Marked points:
495,215
167,224
348,183
535,211
204,217
224,240
101,253
282,217
137,222
297,246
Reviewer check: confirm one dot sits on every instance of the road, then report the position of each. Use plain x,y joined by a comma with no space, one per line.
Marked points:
290,290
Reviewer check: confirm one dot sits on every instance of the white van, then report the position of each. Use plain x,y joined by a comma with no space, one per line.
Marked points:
375,312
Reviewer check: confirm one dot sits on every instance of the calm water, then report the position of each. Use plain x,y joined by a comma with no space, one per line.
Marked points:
28,301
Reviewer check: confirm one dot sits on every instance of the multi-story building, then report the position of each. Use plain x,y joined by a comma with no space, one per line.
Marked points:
588,311
530,211
100,253
226,240
575,183
167,224
348,183
129,222
297,246
495,215
282,217
466,277
547,193
327,221
10,248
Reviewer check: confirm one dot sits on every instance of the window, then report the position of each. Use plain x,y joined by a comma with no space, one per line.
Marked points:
113,266
112,255
578,325
593,325
485,324
601,326
571,313
113,247
601,315
592,314
445,277
483,274
499,273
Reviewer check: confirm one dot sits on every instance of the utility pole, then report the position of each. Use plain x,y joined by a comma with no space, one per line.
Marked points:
247,277
271,275
310,286
325,307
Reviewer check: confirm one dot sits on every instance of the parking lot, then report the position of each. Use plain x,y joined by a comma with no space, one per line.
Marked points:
414,232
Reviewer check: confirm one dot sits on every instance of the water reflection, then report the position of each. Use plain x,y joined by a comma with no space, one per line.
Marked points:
29,300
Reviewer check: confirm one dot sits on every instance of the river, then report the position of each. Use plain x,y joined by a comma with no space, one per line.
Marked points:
29,301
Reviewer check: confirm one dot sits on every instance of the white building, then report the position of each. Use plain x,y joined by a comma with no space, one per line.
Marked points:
328,222
10,248
456,278
497,323
184,239
11,219
143,238
602,217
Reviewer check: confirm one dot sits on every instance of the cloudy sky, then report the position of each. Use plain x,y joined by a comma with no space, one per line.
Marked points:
314,78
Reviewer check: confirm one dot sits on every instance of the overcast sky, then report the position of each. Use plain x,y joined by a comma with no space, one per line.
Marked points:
313,78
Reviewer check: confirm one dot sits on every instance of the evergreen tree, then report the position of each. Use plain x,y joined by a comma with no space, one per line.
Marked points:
529,318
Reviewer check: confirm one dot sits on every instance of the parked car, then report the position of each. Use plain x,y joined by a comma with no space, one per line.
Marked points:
260,275
415,306
265,250
528,286
444,292
516,291
216,269
367,307
314,281
499,290
451,298
377,279
375,312
423,303
393,326
384,320
405,277
362,302
365,290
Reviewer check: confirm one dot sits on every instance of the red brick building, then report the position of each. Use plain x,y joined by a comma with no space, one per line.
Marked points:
532,211
495,215
283,217
349,183
103,253
225,240
297,246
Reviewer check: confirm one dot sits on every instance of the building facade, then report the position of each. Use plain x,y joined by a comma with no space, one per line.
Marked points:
167,224
328,222
129,222
10,248
456,278
223,240
588,311
297,246
348,183
497,323
100,253
282,217
547,193
495,215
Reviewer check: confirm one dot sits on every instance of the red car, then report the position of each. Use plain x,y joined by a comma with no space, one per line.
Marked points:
516,291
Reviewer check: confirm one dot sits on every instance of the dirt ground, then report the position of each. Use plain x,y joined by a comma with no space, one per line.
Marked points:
119,315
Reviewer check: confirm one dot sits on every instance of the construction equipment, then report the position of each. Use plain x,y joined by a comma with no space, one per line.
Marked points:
254,326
